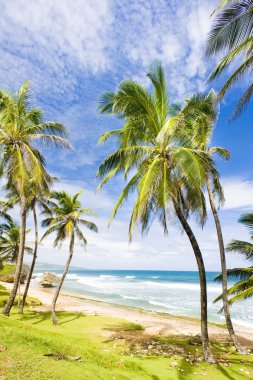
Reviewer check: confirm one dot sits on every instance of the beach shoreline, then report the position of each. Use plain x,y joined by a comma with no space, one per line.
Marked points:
154,323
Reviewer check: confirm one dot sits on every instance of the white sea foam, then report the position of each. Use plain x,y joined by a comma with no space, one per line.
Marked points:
130,276
184,286
73,276
39,274
155,303
107,276
129,297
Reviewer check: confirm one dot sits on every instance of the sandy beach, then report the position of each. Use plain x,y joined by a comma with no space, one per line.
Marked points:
154,323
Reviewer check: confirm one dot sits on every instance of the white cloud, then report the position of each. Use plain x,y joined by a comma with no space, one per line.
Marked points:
173,32
51,41
110,248
238,193
59,41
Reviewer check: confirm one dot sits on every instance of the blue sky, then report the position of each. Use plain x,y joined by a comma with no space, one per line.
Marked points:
73,51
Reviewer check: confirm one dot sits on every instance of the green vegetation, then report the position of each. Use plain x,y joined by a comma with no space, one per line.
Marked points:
4,294
7,270
10,240
242,289
108,350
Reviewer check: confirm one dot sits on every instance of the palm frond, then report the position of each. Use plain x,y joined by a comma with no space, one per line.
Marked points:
90,225
242,104
242,247
247,221
231,26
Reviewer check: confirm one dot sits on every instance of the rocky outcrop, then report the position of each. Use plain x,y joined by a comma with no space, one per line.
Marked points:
49,280
7,273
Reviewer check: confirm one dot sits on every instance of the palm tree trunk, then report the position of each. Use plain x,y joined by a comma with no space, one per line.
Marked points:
21,310
19,293
208,357
223,269
10,302
71,251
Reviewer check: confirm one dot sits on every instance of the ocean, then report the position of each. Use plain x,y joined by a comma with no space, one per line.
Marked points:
171,292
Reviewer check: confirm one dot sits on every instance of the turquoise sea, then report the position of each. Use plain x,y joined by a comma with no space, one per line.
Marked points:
171,292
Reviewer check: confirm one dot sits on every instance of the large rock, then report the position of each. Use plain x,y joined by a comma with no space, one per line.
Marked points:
7,273
48,280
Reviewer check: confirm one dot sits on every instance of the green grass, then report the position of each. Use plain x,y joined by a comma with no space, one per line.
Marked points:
4,294
106,347
7,270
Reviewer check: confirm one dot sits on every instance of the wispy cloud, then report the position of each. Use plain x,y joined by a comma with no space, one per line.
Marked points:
173,32
52,41
55,43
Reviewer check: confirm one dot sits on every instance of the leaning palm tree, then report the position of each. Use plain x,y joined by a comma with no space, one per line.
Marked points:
21,127
231,35
243,289
167,175
200,134
65,219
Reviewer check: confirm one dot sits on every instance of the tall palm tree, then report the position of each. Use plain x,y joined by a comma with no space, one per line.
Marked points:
65,219
38,198
21,127
243,289
231,35
167,173
200,134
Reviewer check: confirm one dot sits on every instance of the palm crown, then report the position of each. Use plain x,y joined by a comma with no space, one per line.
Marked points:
20,128
167,169
66,218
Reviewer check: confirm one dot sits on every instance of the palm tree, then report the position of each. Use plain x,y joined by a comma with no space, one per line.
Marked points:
38,198
242,289
7,220
231,35
9,245
168,174
10,241
21,127
65,219
200,133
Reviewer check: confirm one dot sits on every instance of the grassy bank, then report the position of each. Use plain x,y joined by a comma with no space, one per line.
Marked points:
108,348
8,269
4,295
